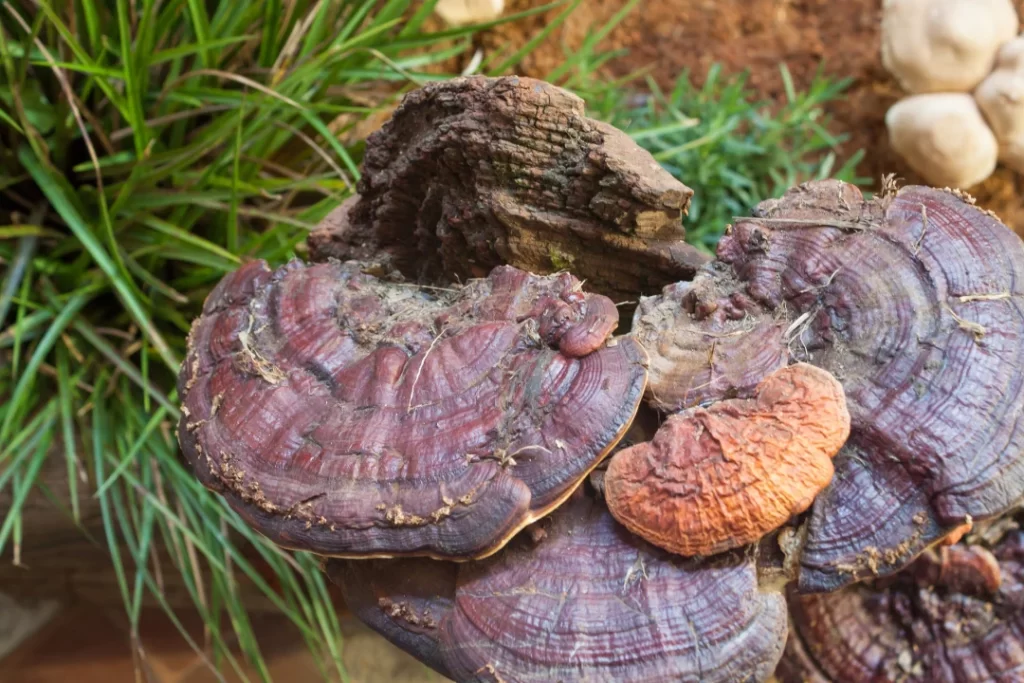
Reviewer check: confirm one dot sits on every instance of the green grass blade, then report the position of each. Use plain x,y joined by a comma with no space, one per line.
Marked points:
68,436
130,457
130,371
536,40
201,28
593,39
189,49
101,440
40,450
74,221
17,402
15,274
24,442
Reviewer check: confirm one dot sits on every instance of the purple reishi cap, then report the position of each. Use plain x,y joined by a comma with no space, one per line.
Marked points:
579,598
913,301
351,416
955,615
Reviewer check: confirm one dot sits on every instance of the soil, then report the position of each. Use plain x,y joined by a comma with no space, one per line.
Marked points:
756,35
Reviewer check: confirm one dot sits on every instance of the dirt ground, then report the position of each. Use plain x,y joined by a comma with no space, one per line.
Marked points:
673,35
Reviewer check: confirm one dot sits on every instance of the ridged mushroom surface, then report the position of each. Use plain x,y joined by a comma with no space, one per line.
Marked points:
913,300
721,477
349,415
576,598
956,615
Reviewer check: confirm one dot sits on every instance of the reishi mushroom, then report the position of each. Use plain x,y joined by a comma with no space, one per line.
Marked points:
582,600
352,416
913,301
342,409
717,478
944,138
477,172
954,616
1001,98
944,45
365,407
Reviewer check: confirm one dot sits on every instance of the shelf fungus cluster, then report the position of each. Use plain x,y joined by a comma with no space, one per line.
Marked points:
956,615
810,443
912,300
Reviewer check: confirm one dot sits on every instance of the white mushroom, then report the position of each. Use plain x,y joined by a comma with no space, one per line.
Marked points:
463,12
944,45
944,138
1001,98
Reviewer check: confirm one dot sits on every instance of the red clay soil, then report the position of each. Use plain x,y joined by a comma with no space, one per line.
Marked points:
756,35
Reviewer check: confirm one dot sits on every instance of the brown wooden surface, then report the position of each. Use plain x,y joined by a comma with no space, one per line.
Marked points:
85,643
60,560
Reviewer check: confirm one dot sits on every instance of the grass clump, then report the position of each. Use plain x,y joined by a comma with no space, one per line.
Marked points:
733,150
146,149
149,147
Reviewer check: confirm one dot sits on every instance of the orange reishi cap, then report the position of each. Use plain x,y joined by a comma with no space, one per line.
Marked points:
721,477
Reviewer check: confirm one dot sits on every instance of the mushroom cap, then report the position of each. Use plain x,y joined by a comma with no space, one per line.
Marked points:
913,301
579,599
944,138
944,45
463,12
352,416
955,616
455,184
405,600
745,349
1001,98
721,477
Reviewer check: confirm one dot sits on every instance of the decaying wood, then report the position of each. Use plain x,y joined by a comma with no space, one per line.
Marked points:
476,172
